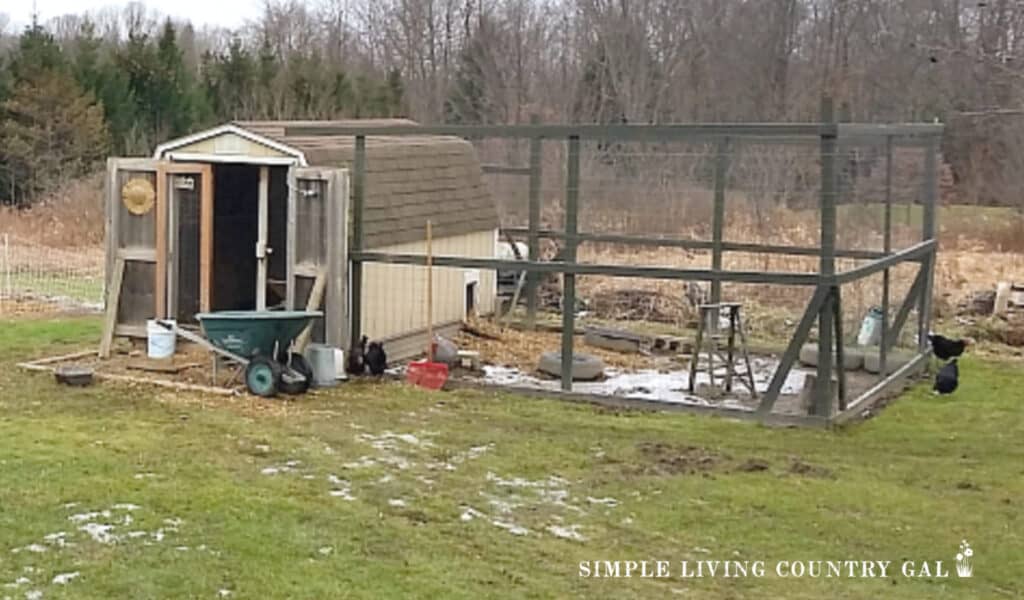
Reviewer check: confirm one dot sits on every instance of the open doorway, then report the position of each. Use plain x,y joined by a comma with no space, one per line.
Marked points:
236,233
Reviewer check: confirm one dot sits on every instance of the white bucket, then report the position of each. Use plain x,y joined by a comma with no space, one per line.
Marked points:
160,341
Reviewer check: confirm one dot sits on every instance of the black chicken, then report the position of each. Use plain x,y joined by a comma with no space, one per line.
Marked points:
354,364
376,358
945,348
947,379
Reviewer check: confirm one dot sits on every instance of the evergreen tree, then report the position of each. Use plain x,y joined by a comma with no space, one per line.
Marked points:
467,101
51,130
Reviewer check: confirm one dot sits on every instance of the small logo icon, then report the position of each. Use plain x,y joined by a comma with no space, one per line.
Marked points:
963,560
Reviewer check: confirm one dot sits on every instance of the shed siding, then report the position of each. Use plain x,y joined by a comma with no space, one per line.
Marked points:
394,296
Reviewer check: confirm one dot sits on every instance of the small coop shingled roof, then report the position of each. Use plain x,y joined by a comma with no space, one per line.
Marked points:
409,179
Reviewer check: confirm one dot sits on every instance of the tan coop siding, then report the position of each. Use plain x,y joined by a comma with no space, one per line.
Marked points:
230,144
394,296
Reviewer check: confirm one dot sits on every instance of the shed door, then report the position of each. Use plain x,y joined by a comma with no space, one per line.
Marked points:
185,253
318,248
135,204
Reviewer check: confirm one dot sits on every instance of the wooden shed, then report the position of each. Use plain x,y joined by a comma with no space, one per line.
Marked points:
243,217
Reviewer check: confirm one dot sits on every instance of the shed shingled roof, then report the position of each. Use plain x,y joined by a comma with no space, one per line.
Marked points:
408,179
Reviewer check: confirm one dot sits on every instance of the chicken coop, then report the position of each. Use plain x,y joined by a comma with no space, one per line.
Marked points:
244,216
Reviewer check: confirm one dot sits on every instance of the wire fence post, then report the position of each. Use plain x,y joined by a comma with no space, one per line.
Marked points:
533,241
569,279
823,389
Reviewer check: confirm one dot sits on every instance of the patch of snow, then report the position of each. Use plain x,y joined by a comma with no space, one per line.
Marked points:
649,384
701,550
291,464
99,533
144,475
263,447
173,522
89,516
424,480
362,463
503,505
181,548
510,527
307,476
397,502
33,595
126,506
344,494
471,513
567,533
325,551
609,502
223,593
18,583
70,505
385,479
65,578
36,548
137,534
270,471
56,538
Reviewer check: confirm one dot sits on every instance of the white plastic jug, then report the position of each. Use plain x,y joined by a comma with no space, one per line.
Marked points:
160,342
871,328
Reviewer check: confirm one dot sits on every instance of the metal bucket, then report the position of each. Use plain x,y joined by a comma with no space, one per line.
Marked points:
160,342
325,368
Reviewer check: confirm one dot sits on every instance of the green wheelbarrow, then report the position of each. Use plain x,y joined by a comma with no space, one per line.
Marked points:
260,341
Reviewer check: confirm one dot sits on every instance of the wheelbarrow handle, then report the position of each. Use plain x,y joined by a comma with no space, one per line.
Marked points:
188,335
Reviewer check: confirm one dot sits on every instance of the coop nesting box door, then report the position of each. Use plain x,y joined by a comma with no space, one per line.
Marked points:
318,248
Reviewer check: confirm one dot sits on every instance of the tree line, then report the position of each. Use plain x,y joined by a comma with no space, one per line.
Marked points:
127,79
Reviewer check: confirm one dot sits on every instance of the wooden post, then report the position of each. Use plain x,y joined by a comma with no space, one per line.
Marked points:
883,346
718,220
113,301
160,287
533,241
263,208
823,394
928,228
572,192
206,240
430,292
356,243
316,297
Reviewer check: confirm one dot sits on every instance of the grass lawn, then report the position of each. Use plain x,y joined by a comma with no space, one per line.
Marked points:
365,491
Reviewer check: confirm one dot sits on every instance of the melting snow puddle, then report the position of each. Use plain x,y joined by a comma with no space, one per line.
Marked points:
649,384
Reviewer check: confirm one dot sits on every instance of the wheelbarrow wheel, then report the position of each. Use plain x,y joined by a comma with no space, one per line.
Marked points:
297,365
262,377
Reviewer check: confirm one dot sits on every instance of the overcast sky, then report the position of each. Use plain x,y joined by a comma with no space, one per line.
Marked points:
225,13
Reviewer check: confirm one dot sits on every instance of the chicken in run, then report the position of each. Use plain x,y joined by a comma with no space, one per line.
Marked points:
354,364
945,348
947,379
376,359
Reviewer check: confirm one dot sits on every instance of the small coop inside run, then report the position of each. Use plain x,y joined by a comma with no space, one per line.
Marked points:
804,225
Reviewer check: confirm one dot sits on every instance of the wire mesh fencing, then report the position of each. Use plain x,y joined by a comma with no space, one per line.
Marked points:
41,279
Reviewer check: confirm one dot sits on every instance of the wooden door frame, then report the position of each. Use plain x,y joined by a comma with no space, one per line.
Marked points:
336,301
112,224
164,206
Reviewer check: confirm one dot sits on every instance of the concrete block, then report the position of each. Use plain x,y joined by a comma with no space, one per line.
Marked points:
853,358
